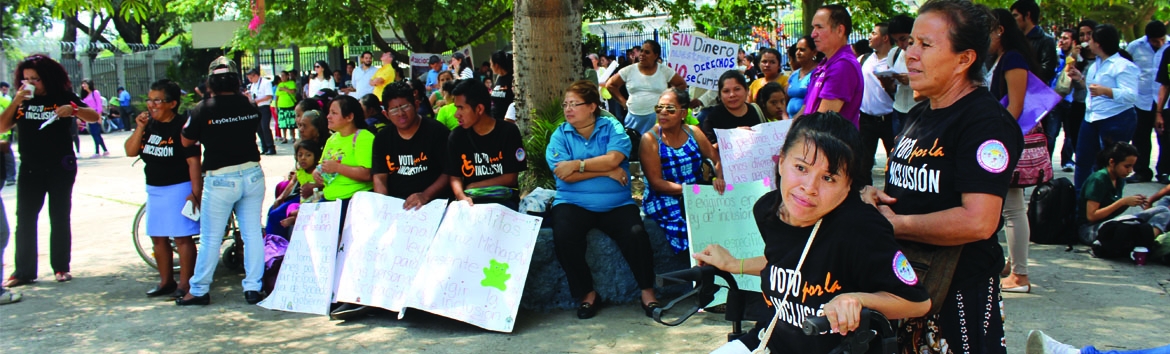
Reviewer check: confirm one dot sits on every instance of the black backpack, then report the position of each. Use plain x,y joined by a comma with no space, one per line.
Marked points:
1052,211
1116,238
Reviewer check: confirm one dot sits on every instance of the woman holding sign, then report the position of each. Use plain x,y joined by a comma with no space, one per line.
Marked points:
672,154
645,82
818,232
589,155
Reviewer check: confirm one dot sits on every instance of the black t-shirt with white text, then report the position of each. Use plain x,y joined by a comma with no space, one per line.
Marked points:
52,144
972,146
226,127
475,157
163,152
853,251
412,165
721,118
502,97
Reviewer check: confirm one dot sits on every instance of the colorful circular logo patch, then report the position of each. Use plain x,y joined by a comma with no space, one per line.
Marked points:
992,156
903,270
520,154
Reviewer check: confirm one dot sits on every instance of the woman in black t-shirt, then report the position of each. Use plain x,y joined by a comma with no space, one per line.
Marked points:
733,110
43,110
172,180
819,235
502,93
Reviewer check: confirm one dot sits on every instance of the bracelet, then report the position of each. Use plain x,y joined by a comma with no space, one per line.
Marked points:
581,167
741,266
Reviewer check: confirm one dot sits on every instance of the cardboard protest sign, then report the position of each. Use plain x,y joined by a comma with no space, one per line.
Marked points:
381,249
476,266
701,60
305,283
726,220
750,155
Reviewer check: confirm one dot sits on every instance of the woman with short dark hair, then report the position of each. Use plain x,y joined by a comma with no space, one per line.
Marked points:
43,109
645,81
503,94
1113,85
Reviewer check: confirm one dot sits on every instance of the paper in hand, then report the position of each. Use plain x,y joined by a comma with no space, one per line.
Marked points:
190,212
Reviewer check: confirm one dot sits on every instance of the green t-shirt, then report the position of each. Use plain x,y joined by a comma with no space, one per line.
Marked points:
446,115
353,150
4,102
284,99
1100,188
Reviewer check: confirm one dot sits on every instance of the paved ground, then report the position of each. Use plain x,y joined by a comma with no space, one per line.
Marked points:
1111,304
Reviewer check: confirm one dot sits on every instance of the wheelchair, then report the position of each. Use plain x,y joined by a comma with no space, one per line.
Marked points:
874,335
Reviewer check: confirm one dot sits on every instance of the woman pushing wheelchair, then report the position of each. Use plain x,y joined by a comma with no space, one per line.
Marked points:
826,253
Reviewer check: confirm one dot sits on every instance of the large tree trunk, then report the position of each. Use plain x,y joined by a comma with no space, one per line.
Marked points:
547,47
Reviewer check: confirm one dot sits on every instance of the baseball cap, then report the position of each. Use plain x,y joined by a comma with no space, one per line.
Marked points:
221,65
434,59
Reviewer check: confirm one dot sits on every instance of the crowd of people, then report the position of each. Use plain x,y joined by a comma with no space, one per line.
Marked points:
943,92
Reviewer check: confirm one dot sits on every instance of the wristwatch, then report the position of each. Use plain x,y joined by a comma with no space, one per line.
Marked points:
581,167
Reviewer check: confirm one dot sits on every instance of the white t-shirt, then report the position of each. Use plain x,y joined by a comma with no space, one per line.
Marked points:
644,90
904,96
361,81
259,89
316,85
875,101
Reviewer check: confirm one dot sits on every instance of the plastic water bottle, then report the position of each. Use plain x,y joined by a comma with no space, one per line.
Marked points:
317,196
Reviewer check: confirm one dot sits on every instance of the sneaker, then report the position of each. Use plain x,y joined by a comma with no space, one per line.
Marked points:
10,182
95,156
107,153
1068,167
1039,343
1163,178
9,297
348,311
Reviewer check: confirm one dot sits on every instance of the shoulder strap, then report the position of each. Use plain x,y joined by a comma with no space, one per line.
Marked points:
897,51
864,57
784,301
759,112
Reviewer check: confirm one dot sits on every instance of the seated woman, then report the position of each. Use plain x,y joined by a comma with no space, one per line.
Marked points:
1101,196
589,155
346,159
734,109
816,229
672,154
771,98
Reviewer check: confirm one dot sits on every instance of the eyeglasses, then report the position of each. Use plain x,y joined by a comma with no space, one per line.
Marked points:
567,105
316,66
32,79
669,108
400,109
157,101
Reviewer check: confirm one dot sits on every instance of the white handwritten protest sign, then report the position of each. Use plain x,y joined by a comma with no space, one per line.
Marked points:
419,64
749,155
305,283
476,266
381,248
726,220
700,60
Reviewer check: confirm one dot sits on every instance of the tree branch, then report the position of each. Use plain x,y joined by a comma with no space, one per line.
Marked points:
89,32
483,30
167,40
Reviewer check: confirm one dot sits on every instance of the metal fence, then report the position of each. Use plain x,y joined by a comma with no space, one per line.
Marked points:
272,61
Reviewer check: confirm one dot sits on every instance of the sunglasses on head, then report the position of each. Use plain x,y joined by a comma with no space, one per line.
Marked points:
669,108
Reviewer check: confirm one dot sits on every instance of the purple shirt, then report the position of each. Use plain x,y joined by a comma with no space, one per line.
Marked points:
837,78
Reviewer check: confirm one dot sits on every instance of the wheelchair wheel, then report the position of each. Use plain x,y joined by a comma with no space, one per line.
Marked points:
232,258
144,244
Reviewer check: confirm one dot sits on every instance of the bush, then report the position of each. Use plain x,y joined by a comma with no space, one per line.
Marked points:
545,121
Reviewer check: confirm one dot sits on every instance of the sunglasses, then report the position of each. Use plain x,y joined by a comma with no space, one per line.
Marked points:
669,108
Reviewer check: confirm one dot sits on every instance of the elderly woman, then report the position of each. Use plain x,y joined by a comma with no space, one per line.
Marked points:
952,166
173,179
1113,83
589,154
816,227
644,81
672,154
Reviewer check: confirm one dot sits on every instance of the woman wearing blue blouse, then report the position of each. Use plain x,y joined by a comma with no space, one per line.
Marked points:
804,59
589,157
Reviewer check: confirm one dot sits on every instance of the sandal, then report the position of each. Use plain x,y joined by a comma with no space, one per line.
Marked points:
13,282
63,277
9,297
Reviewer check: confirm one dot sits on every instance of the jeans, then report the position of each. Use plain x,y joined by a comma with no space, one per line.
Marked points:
874,128
56,181
1072,126
1158,215
9,165
95,131
641,123
1097,135
128,113
1052,124
1159,350
1141,140
4,231
117,123
623,224
242,192
265,131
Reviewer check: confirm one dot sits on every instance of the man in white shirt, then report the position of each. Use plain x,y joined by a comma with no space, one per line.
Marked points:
899,31
1146,52
362,75
260,91
877,101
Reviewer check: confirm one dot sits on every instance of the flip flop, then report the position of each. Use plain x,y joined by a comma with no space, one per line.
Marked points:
63,277
13,282
1022,289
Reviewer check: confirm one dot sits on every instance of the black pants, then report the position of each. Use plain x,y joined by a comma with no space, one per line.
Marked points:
623,225
1072,127
56,180
265,131
1141,140
874,128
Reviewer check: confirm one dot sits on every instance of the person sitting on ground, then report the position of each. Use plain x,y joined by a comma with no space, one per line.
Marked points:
672,154
589,156
817,212
1101,196
372,107
734,109
408,159
1040,343
484,156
